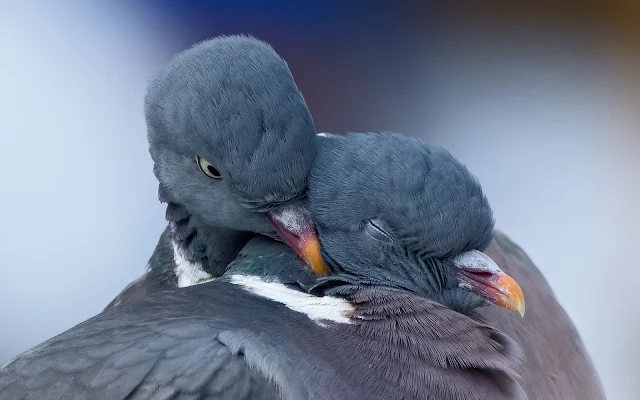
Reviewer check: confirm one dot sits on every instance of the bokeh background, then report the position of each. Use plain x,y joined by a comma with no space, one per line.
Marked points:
539,99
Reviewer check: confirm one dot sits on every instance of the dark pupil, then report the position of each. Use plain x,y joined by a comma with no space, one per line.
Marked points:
213,171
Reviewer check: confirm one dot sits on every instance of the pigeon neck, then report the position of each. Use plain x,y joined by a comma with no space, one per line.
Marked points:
200,252
272,261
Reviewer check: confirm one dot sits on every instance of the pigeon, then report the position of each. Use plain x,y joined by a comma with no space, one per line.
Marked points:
557,365
401,225
232,142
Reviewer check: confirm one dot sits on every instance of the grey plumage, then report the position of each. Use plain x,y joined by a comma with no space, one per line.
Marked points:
196,343
220,337
231,100
170,345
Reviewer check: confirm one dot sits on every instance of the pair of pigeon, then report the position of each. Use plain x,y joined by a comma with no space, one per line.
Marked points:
390,309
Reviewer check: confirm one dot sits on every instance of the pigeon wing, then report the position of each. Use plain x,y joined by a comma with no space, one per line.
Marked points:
146,351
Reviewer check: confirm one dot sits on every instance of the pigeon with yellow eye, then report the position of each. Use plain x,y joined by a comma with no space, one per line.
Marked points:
232,142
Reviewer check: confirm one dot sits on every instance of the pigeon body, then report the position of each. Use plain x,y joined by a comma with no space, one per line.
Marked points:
233,339
381,327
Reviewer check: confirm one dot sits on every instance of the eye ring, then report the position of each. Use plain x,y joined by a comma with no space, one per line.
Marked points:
206,168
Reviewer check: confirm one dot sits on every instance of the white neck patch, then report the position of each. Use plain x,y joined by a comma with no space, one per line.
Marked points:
316,308
187,272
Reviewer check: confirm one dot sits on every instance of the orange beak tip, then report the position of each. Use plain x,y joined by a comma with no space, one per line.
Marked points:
313,257
511,294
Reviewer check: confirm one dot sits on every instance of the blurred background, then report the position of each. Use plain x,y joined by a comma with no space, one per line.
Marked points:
540,100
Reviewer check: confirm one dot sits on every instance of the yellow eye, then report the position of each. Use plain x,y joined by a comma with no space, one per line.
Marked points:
207,169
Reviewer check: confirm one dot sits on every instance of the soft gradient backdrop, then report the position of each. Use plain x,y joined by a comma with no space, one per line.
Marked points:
539,100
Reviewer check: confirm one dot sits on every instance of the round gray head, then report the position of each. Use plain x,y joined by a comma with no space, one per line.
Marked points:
396,212
230,108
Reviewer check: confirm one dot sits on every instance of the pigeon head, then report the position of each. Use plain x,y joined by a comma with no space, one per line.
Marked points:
232,140
393,211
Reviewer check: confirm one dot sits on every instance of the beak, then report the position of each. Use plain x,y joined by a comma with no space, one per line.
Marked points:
293,223
480,275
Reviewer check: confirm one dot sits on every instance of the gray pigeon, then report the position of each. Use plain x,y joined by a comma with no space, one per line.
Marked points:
232,142
404,250
557,366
